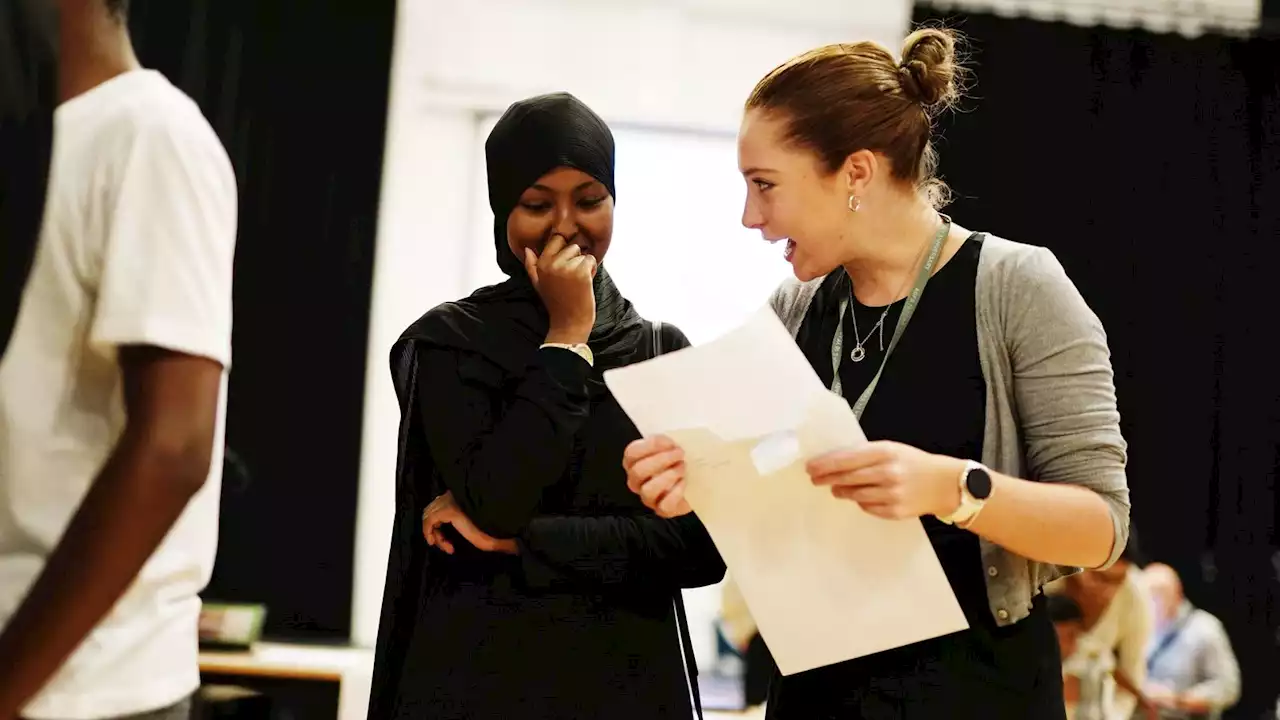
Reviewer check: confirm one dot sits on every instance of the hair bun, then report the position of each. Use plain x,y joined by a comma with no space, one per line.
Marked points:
929,72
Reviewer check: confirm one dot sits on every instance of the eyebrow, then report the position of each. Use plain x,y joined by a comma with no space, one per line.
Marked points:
757,170
580,186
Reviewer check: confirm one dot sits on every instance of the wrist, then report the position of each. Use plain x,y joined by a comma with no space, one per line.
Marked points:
946,480
568,334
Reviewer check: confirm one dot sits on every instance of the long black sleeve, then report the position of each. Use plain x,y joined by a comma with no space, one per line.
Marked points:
497,453
614,549
641,548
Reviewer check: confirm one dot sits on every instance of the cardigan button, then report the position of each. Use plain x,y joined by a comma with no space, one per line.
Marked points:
1002,614
992,571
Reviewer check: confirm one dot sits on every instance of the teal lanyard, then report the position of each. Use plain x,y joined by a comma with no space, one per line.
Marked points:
908,309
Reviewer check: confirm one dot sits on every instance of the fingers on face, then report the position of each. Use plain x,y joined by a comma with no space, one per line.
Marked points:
531,264
553,247
561,255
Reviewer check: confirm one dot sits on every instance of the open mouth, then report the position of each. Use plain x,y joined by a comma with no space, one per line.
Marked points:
788,246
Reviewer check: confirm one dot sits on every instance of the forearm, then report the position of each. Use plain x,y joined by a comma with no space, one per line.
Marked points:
1222,688
129,509
1130,694
498,464
1046,522
611,550
1216,694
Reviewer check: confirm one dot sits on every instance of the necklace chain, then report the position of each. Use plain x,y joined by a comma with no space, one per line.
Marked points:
859,353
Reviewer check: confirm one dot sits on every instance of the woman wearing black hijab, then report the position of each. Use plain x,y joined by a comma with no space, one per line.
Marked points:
544,588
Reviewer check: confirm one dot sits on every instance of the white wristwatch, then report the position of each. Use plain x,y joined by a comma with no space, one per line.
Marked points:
975,490
579,349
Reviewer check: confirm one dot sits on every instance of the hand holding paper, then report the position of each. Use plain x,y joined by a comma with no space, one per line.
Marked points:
825,581
655,471
891,480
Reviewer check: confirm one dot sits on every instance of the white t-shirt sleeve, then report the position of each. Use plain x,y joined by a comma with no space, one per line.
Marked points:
170,233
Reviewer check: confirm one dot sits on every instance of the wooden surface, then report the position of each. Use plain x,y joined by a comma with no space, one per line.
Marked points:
296,662
756,713
351,668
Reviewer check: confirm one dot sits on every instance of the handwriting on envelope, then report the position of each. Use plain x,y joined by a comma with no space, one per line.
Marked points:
825,581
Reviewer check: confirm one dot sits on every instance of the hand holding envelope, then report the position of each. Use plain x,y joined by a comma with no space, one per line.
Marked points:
655,471
825,580
887,479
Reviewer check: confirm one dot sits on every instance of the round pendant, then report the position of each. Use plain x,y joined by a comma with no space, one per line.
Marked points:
858,353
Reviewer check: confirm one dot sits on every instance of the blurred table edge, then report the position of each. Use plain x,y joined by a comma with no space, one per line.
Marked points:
350,667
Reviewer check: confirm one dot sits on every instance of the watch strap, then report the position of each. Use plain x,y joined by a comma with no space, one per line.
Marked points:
969,506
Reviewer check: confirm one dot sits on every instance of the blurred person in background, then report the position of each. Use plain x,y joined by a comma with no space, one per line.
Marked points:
112,392
544,588
994,419
1192,670
737,629
1117,629
1083,687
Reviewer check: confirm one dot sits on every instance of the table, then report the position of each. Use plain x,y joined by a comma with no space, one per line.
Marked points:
349,669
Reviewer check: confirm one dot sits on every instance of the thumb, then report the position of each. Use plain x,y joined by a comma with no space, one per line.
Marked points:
531,264
592,265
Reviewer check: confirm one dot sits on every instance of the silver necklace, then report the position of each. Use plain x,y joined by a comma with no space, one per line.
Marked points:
859,353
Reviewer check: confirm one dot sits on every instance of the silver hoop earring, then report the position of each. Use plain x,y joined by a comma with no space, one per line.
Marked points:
854,203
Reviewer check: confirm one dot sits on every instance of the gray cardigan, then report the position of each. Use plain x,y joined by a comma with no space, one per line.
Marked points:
1051,400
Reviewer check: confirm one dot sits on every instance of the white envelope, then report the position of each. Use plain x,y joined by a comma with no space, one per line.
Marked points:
825,581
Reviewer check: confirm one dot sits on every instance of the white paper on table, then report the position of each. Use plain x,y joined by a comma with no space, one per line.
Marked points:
825,581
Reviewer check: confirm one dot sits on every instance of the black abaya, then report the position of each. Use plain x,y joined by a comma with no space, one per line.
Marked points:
587,621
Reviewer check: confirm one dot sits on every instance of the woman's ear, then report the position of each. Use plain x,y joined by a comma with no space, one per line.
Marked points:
858,171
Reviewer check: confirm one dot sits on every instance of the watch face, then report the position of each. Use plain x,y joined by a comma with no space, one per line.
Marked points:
978,483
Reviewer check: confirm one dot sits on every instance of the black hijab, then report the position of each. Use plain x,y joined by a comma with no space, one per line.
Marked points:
506,323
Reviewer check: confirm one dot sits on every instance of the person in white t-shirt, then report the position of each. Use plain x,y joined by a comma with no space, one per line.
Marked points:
112,394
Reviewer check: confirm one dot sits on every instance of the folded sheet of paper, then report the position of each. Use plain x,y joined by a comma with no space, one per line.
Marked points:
824,580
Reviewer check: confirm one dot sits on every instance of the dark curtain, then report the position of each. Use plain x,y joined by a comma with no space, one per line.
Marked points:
1150,165
297,90
28,93
1271,17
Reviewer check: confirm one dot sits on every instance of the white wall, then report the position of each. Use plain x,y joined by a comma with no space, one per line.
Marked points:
670,76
